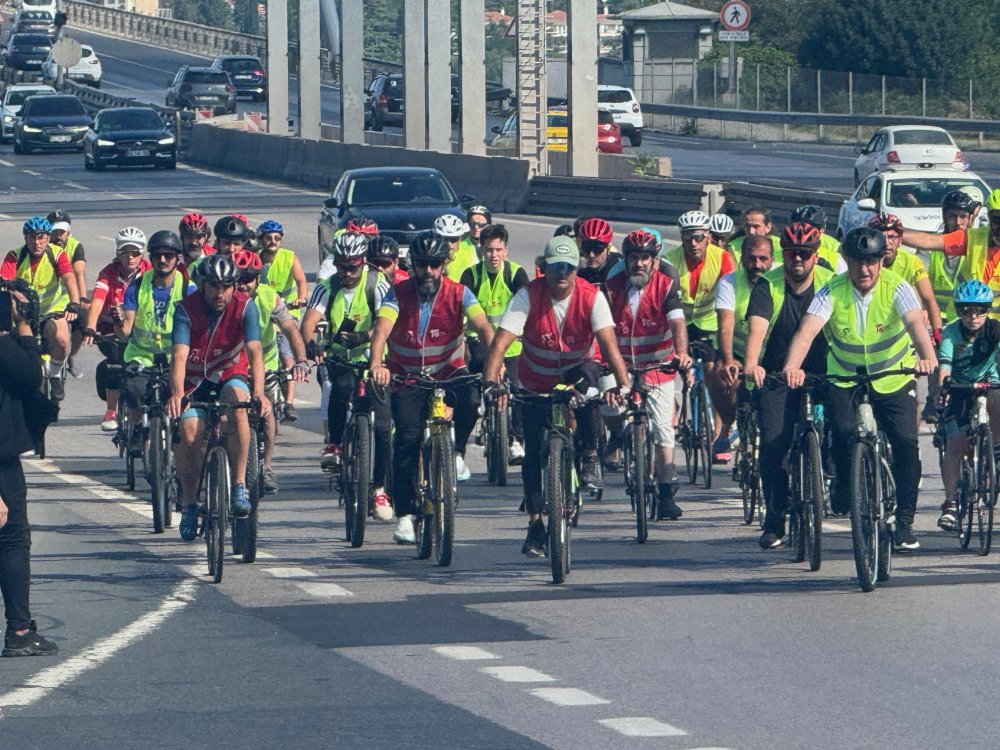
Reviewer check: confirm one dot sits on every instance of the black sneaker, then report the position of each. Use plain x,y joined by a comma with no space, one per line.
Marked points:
290,414
270,482
666,508
949,516
534,542
57,392
590,473
904,538
770,540
28,644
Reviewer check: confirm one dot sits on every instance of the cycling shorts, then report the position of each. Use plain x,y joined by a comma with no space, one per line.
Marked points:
210,391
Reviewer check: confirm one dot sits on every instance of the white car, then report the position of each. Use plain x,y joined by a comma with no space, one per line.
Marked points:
624,108
89,70
908,147
13,98
49,5
914,195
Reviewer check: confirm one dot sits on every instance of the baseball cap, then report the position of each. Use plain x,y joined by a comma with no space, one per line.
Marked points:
60,226
562,249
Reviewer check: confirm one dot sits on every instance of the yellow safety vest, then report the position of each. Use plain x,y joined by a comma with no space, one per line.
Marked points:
973,265
741,328
495,296
279,276
466,257
52,293
909,266
943,273
360,312
267,299
149,337
699,309
776,285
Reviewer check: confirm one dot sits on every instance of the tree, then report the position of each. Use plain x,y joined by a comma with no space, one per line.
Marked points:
773,62
384,30
245,16
212,13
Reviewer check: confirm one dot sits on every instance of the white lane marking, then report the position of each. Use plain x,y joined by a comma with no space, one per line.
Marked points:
815,153
258,184
6,216
135,64
517,674
6,163
33,174
642,726
465,653
74,186
105,237
323,590
289,572
568,697
126,197
44,682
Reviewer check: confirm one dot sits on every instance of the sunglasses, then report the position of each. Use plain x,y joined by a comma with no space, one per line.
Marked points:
161,256
593,248
700,237
349,266
802,253
972,312
641,257
428,263
561,268
130,253
479,224
273,237
36,235
382,262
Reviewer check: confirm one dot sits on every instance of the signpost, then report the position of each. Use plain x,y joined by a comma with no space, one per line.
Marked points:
734,18
66,52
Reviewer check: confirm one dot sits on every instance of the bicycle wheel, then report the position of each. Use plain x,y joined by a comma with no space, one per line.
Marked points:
887,497
216,510
745,466
556,498
864,514
443,493
685,436
796,511
159,473
424,515
706,432
812,499
640,471
360,479
986,491
966,502
497,446
345,482
245,529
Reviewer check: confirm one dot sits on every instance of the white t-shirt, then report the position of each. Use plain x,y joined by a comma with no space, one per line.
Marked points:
904,300
516,315
725,292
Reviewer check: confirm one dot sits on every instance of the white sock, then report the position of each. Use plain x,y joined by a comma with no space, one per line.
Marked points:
55,367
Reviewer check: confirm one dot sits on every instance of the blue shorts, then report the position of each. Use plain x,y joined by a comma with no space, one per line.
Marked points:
209,391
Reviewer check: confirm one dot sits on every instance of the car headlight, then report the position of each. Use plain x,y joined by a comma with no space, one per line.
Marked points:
8,118
168,141
29,129
79,128
103,142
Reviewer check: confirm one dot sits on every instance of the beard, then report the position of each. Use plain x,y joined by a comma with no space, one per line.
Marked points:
640,278
428,287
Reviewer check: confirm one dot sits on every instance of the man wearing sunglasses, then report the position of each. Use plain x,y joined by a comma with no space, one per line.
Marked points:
63,237
777,304
478,218
420,327
871,319
383,258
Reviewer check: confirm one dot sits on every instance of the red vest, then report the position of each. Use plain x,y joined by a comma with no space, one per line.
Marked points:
549,353
441,351
399,275
217,353
645,338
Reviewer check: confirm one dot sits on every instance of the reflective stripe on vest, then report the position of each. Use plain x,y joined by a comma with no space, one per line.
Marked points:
699,309
359,312
440,352
217,352
495,296
646,337
267,299
149,337
52,294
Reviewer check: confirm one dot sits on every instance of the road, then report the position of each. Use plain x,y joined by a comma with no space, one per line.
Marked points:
696,639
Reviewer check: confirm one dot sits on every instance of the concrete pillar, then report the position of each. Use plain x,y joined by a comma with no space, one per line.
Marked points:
309,73
277,67
438,16
415,75
582,80
352,72
473,75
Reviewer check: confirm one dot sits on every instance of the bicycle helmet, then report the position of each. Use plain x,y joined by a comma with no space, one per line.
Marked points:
810,214
349,246
381,247
479,210
993,202
218,269
362,225
58,214
800,234
973,292
194,224
429,246
956,200
232,228
248,263
37,224
130,237
595,230
721,224
563,230
640,241
165,240
450,226
886,223
863,243
270,227
692,220
656,235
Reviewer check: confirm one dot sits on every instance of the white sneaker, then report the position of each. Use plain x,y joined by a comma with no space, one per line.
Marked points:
462,473
516,453
404,531
382,505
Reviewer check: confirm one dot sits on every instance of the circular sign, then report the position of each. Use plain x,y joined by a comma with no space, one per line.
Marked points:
66,52
735,15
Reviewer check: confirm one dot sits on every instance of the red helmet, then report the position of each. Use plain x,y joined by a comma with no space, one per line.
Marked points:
362,225
800,234
194,224
595,230
640,241
248,263
886,223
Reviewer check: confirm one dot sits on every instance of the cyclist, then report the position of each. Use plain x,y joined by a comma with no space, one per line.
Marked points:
478,218
755,222
363,226
958,212
383,257
776,307
49,272
194,234
61,236
495,280
597,255
274,317
967,355
420,327
216,350
348,302
722,229
453,229
106,312
829,247
649,327
558,317
872,319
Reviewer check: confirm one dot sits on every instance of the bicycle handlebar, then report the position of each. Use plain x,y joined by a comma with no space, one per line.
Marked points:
419,381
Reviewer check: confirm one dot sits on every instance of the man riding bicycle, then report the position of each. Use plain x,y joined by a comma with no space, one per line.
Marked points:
63,237
453,229
383,258
478,218
829,247
194,234
872,321
958,212
755,222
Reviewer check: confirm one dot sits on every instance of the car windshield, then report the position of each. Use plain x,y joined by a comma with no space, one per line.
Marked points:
55,105
134,120
921,138
613,96
206,76
241,65
383,190
926,193
30,40
15,98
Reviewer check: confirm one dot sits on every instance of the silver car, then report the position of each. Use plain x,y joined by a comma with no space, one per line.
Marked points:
13,98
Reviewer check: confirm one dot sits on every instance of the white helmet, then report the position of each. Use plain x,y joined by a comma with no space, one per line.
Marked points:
694,220
130,237
450,225
721,224
349,246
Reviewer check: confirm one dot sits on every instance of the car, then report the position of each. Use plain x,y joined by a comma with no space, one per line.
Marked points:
56,121
13,98
914,195
25,52
384,100
129,137
48,5
907,147
624,108
89,70
403,201
202,88
29,21
247,74
609,136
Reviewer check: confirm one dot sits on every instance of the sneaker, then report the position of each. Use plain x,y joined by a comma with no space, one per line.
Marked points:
290,414
28,644
404,531
240,501
770,540
949,516
110,423
382,505
590,473
57,392
721,450
270,482
516,453
71,368
462,473
135,443
904,538
930,412
667,509
189,523
330,460
534,542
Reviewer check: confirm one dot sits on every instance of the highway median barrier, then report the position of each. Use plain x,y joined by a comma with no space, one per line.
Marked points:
781,202
638,199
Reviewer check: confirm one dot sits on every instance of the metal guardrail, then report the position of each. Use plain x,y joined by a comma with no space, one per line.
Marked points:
651,199
740,196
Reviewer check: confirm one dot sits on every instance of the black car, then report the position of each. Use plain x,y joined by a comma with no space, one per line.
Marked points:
27,51
129,137
202,88
403,201
50,122
384,100
247,74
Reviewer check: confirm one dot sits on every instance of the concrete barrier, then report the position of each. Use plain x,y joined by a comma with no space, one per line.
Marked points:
647,199
781,201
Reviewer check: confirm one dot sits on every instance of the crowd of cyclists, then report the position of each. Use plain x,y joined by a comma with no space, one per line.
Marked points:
766,313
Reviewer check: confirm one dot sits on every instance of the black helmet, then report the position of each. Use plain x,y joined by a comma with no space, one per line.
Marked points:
56,215
563,230
165,240
428,246
958,200
219,269
810,214
863,243
481,210
381,247
232,228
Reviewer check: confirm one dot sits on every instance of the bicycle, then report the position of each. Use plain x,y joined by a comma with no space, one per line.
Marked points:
244,530
496,426
806,482
355,479
157,431
696,426
46,385
746,466
132,440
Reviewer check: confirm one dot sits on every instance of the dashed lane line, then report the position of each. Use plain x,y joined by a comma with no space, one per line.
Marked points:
517,674
323,590
289,572
465,653
568,697
642,726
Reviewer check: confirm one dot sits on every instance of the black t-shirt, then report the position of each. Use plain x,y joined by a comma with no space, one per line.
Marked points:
781,333
598,276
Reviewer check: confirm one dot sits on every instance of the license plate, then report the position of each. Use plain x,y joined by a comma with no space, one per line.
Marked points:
61,138
137,152
244,78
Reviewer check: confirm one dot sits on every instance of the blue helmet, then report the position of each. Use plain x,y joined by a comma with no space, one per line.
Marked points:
270,226
973,292
36,224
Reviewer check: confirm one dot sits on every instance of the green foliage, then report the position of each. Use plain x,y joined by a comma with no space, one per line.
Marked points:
644,165
774,64
212,13
245,16
497,47
384,30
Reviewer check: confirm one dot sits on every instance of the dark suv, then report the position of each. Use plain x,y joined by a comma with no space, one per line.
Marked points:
247,74
50,122
384,102
27,51
202,88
